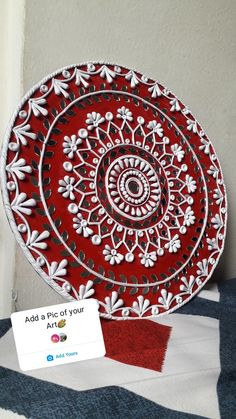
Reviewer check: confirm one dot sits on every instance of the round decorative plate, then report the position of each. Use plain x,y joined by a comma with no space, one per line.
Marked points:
113,190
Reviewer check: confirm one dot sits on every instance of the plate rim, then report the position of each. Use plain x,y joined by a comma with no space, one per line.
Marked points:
9,213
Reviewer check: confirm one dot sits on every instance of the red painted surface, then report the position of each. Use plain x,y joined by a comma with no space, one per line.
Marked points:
142,343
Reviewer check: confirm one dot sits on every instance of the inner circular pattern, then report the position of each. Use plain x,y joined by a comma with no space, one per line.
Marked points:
64,140
133,187
116,170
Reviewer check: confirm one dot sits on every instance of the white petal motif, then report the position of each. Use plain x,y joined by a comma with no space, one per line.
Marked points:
141,305
57,269
165,299
22,204
86,291
60,88
155,91
113,303
107,73
23,132
36,239
131,76
19,167
37,106
81,78
175,106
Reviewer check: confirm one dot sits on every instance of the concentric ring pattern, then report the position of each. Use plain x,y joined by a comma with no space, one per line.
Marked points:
113,190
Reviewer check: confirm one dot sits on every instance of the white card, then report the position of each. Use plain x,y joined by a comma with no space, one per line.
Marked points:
58,334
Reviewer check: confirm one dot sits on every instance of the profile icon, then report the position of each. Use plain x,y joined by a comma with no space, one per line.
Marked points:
55,338
63,337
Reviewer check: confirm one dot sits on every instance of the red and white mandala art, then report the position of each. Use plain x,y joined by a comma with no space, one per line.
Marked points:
113,190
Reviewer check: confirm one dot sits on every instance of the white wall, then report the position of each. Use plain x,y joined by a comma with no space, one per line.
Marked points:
189,45
11,53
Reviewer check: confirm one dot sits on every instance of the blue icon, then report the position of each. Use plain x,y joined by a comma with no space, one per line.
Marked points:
50,358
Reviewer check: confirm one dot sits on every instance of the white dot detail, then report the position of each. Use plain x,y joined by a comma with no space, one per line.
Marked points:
140,120
129,257
96,239
83,133
40,261
73,208
68,166
13,146
22,114
109,116
66,286
66,74
43,88
22,228
11,185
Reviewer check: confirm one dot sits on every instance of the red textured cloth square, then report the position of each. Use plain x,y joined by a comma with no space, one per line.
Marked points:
139,342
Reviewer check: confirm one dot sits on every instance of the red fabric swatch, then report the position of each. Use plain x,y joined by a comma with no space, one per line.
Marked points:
142,343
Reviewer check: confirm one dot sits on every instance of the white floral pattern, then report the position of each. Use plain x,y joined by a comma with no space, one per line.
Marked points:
189,217
156,127
202,268
192,126
178,152
190,183
125,114
218,196
93,120
81,226
70,145
131,76
107,73
186,285
113,302
60,88
205,147
165,298
112,256
213,171
174,244
148,259
81,78
67,187
212,243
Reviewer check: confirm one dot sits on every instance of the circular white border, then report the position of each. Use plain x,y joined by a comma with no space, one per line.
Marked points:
11,219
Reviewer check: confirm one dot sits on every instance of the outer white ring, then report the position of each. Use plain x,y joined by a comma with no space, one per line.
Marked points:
11,217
